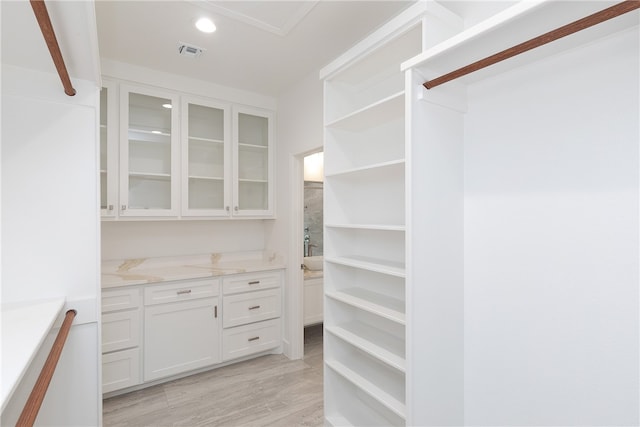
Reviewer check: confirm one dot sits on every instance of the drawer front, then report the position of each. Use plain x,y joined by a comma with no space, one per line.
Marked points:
181,291
120,299
251,307
249,339
120,370
120,330
251,282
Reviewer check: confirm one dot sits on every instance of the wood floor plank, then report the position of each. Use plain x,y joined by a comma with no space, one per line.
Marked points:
267,391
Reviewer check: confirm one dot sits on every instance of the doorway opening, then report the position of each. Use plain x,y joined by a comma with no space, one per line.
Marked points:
313,248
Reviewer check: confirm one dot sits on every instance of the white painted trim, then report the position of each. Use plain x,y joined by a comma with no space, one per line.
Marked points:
134,74
294,19
295,310
295,315
402,23
93,41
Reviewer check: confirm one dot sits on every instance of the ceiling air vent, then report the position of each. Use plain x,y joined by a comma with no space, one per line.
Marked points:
189,50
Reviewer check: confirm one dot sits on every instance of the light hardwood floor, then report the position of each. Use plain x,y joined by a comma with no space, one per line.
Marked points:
268,391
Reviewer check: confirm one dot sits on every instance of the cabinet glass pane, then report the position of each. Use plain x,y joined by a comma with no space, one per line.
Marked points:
206,157
103,148
149,152
253,162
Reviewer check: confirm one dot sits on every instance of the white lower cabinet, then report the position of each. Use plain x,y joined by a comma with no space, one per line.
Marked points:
120,369
250,339
181,327
252,311
121,330
180,337
155,331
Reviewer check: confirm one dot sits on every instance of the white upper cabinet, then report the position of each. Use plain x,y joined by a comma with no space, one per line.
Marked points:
252,162
206,158
108,150
149,148
168,155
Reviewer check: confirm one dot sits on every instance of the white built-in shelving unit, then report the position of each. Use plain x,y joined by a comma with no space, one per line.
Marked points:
365,225
483,234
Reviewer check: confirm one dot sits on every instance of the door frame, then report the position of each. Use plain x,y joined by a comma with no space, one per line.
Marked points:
296,274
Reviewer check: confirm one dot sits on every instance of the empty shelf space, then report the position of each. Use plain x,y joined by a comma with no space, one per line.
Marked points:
377,168
380,227
149,175
377,112
368,387
379,266
252,146
383,346
372,302
200,139
209,178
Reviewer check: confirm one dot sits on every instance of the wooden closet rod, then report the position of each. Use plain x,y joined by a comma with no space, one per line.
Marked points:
581,24
34,402
40,10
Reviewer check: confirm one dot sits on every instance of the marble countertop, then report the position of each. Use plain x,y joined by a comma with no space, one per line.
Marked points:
24,328
126,272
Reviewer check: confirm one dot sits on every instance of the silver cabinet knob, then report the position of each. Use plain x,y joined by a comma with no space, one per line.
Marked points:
124,207
110,207
235,208
227,209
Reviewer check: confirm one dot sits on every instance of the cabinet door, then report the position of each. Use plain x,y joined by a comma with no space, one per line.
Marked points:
179,337
206,158
148,152
253,162
108,150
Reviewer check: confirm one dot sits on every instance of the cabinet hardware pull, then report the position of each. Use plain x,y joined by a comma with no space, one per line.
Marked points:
123,207
254,282
110,207
185,291
254,307
228,209
235,208
215,311
253,339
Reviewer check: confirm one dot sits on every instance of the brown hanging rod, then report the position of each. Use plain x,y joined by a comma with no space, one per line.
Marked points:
40,10
581,24
34,402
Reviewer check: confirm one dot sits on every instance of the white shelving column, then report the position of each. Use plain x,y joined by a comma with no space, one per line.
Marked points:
365,225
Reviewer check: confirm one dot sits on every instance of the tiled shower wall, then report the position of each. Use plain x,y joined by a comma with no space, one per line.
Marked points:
313,199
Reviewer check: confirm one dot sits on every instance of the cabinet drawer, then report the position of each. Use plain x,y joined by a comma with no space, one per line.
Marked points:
120,330
250,339
251,307
120,299
181,291
251,282
120,370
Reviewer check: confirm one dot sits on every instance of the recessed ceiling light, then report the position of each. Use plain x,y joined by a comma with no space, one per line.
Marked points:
205,25
167,105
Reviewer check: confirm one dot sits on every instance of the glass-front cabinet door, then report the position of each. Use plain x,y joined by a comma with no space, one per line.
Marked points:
108,150
253,157
148,153
206,158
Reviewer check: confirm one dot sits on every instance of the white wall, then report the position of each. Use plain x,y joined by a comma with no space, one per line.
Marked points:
144,239
551,241
50,233
299,130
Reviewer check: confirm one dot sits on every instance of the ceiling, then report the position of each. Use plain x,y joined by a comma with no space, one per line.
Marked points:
260,46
